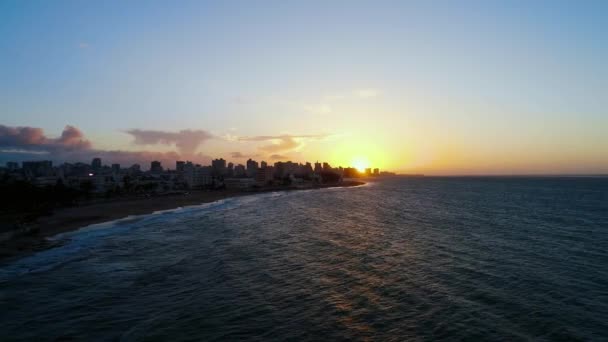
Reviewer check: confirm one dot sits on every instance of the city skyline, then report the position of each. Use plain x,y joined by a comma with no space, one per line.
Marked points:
96,165
522,91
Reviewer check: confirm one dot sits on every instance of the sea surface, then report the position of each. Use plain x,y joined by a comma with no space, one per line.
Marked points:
397,259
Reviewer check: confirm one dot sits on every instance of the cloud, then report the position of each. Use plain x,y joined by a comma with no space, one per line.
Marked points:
278,157
16,137
72,138
283,143
83,45
28,138
367,93
239,155
186,141
30,143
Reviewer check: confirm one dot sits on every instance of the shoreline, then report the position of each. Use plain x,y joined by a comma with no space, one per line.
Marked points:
73,218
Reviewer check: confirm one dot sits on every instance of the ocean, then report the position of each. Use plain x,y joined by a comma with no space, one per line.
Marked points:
454,258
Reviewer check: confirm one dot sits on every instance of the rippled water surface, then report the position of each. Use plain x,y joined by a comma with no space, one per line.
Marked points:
424,258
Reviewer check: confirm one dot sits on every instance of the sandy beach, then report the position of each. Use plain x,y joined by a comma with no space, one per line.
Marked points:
73,218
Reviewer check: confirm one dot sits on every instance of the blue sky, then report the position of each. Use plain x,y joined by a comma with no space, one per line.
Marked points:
436,86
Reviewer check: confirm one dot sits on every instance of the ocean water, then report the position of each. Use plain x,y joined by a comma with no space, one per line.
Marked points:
398,259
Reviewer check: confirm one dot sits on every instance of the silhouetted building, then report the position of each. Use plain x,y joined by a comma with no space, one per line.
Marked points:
368,171
239,171
350,172
135,168
115,168
37,168
264,176
318,167
263,164
96,164
12,166
179,166
252,168
308,168
376,172
218,167
156,167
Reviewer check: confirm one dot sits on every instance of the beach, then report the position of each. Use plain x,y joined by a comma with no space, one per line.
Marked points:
72,218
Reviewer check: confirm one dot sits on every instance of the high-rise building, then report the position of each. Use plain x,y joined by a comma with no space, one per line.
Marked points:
156,167
239,171
318,167
115,168
12,166
218,167
197,176
230,170
264,175
368,171
96,164
263,164
179,166
376,172
37,168
252,168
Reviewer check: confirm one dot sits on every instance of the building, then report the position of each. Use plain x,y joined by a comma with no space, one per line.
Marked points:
230,170
135,168
96,164
376,172
197,176
239,171
368,171
252,168
202,176
307,169
350,172
318,167
263,164
264,176
284,169
41,168
116,168
179,166
12,166
156,167
218,167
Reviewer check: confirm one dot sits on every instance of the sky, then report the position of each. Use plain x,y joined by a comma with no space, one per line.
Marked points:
433,87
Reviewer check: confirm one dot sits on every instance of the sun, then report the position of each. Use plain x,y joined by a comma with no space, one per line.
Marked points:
360,163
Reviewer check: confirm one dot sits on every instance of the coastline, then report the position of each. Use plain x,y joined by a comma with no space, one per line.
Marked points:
73,218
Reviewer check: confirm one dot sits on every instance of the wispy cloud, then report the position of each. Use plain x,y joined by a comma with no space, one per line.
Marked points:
284,142
239,155
83,45
186,141
278,157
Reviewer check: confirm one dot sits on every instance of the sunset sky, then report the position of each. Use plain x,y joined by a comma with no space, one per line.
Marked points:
438,87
